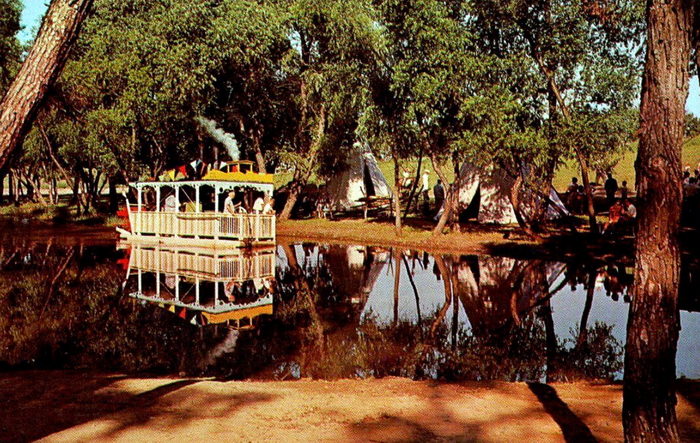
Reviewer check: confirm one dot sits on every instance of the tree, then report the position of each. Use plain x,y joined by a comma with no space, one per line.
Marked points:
140,74
9,45
425,85
39,71
568,65
253,94
653,322
331,45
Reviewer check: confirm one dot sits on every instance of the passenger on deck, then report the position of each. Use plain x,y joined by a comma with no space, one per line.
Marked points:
258,205
170,204
269,208
233,208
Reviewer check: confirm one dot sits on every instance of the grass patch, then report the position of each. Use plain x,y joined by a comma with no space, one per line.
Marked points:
60,213
624,170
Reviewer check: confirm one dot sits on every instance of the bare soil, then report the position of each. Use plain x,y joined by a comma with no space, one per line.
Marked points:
84,406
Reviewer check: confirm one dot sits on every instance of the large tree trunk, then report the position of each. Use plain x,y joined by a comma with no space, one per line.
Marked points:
39,71
653,324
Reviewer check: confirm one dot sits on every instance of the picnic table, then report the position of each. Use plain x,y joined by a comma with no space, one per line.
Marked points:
374,203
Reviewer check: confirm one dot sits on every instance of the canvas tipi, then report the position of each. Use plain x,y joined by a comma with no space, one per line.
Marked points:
361,179
487,192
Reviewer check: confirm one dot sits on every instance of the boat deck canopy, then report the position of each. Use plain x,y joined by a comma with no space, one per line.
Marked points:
218,185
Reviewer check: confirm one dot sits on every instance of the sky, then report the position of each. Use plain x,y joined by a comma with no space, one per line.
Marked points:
34,9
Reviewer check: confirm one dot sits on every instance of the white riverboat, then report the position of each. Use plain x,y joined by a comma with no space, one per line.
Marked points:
192,212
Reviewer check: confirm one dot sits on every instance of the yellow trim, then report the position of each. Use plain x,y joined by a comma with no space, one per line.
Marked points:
253,177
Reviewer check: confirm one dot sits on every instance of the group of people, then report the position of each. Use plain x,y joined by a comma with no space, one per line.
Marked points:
263,204
235,203
621,212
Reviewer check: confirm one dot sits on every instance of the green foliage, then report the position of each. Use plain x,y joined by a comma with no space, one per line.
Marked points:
297,82
427,83
9,45
692,125
572,73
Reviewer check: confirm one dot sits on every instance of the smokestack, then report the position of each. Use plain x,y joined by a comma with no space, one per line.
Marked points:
221,136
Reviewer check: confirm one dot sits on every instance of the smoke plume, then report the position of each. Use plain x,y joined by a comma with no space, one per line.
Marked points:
221,136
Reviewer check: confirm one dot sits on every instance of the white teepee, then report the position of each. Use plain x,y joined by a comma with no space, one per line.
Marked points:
362,178
492,186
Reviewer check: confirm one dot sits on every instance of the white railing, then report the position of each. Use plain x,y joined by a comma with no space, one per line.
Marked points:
204,225
240,267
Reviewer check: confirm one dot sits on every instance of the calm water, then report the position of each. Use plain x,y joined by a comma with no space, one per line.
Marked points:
322,311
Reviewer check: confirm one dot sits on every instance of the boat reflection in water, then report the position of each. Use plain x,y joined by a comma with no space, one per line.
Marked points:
204,286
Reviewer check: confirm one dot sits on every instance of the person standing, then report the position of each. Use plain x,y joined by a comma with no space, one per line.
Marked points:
439,194
258,205
610,188
170,204
624,190
426,186
229,205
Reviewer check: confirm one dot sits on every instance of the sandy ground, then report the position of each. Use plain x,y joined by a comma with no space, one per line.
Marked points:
78,406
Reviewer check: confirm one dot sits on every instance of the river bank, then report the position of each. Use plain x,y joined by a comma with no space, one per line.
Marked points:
417,234
414,236
557,243
82,406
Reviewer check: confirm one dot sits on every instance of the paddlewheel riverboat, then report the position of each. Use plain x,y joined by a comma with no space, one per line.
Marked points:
192,212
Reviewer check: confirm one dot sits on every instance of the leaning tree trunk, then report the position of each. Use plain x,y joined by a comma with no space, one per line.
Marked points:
39,71
653,324
294,189
451,197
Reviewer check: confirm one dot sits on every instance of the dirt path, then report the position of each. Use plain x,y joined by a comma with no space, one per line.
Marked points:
75,406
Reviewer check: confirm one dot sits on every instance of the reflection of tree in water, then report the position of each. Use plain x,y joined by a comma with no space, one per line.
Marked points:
318,329
60,307
511,337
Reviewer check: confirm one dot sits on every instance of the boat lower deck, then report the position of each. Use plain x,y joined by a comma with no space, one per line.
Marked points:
222,243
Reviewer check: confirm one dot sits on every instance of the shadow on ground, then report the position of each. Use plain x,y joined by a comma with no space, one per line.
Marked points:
36,404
